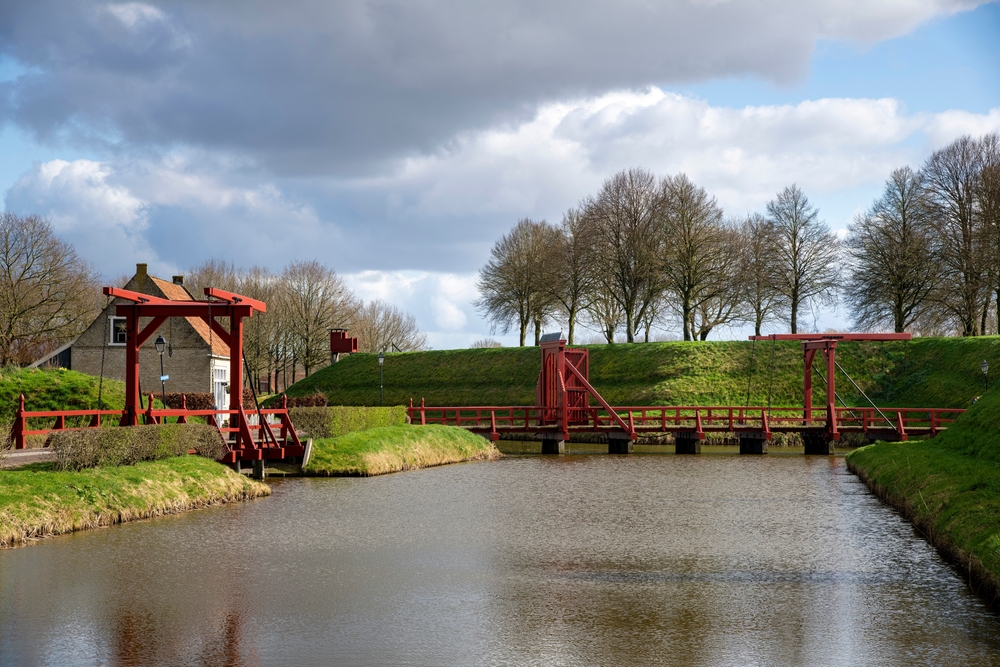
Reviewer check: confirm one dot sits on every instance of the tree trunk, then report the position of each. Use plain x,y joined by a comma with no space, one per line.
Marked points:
572,324
524,330
538,332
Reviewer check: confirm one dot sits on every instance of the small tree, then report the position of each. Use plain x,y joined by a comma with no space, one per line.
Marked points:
894,272
512,284
760,269
806,252
47,293
625,223
569,279
315,300
380,327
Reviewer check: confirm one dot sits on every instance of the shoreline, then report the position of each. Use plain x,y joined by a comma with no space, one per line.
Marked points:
37,501
983,581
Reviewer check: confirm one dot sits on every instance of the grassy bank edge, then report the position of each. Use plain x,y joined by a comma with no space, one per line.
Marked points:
398,448
38,501
980,578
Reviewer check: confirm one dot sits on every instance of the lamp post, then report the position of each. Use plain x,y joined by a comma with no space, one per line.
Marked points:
160,346
381,362
986,369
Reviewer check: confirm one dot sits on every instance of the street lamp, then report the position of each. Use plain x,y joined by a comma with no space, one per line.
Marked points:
986,369
381,362
160,346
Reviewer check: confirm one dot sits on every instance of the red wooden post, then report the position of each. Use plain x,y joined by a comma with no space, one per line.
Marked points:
132,399
698,430
19,426
184,406
808,357
423,413
900,428
60,423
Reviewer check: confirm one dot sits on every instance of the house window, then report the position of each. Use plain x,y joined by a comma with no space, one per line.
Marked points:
119,330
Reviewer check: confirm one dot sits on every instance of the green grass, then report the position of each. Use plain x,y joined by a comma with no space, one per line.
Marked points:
38,501
57,389
394,448
949,487
925,372
334,421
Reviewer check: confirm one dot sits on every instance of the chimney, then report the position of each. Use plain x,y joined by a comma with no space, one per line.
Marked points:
140,269
178,280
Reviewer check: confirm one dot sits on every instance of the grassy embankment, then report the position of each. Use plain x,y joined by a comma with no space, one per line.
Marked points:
39,501
395,448
926,372
949,488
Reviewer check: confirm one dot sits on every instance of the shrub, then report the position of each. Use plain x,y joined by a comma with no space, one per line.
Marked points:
202,400
317,400
90,448
335,421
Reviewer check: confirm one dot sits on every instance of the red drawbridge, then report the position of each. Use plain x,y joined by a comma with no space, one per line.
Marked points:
248,436
567,403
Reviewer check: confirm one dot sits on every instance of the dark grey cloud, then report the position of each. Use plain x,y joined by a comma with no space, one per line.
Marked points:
310,87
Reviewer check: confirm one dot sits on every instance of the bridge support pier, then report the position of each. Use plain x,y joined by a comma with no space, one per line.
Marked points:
749,444
817,444
686,443
620,443
553,444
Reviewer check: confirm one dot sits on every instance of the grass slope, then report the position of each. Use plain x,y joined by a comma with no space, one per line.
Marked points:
394,448
926,372
38,501
56,389
949,487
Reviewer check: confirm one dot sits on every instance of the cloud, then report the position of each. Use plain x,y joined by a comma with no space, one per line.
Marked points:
306,88
416,234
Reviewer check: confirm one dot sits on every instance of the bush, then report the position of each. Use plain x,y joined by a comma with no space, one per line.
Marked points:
91,448
202,400
335,421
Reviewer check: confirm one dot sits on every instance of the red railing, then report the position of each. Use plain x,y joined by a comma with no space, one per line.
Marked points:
276,440
696,420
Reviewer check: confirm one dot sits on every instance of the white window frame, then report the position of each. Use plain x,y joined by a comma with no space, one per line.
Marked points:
111,328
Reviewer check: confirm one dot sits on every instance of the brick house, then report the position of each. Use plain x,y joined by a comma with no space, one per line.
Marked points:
196,361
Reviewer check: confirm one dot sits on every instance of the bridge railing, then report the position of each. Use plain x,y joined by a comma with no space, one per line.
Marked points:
697,420
26,422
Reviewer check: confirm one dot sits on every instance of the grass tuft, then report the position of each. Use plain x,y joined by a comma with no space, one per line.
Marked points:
395,448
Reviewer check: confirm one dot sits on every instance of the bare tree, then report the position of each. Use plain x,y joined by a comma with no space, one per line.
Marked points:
625,222
315,299
47,293
512,284
569,279
951,177
485,343
988,198
892,247
382,327
759,269
211,273
696,262
603,313
262,332
806,252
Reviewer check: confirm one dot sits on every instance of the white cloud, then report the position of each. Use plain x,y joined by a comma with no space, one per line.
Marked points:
416,235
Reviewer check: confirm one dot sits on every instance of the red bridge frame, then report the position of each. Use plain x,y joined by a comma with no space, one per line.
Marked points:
564,393
231,305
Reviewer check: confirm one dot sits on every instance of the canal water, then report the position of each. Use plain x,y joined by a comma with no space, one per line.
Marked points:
572,560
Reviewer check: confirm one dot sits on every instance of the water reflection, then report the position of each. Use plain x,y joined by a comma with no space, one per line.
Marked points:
576,560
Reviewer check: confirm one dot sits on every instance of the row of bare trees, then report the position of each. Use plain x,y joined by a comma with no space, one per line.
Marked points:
926,255
647,252
304,302
48,295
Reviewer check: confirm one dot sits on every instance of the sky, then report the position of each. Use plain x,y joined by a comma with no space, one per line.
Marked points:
397,141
